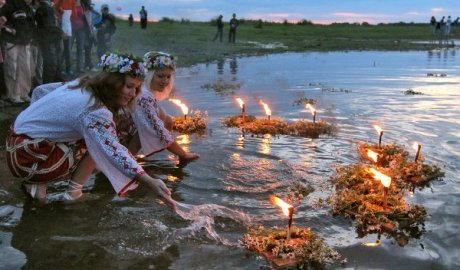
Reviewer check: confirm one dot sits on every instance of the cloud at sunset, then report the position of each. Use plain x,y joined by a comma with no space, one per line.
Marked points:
437,10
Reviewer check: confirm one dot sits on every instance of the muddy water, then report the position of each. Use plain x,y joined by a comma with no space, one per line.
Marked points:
228,187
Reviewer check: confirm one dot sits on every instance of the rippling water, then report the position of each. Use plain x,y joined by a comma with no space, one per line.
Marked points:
228,187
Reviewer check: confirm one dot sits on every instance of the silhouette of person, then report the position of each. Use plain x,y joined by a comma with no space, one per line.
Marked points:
143,15
448,27
130,20
220,28
433,24
232,31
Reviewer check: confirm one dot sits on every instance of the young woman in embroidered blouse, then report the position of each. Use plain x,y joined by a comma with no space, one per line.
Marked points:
46,141
152,123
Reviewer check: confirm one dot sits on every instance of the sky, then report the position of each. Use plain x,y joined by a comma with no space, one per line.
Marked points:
318,11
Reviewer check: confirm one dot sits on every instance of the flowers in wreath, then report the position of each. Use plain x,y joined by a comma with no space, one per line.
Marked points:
123,63
160,60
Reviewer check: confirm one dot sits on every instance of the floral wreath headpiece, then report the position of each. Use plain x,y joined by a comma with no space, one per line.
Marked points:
123,63
160,60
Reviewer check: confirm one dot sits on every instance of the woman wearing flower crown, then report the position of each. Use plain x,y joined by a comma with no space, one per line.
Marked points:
71,131
152,123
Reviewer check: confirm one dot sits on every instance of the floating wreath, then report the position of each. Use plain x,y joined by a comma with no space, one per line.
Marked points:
304,250
195,123
358,196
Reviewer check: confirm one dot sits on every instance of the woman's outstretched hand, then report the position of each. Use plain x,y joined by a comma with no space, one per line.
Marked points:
189,156
159,188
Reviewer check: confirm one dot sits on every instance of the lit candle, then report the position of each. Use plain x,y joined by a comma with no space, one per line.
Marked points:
385,180
312,110
417,147
372,155
243,108
288,210
268,112
380,132
373,244
183,107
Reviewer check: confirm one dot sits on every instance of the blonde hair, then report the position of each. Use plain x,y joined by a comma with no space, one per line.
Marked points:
157,94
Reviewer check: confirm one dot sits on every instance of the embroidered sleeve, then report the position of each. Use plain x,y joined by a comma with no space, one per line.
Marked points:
110,156
153,135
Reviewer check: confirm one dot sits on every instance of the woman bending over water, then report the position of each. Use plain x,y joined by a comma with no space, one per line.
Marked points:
71,131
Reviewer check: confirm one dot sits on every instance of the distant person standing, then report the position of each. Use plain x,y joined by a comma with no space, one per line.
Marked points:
2,80
90,38
232,31
131,20
49,39
433,25
105,29
143,15
448,27
79,33
64,10
454,23
438,26
17,33
220,28
442,26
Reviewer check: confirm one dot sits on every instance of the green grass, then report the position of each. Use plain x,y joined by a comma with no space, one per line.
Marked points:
192,41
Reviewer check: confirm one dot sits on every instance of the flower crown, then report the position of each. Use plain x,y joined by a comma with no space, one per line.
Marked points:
160,60
123,63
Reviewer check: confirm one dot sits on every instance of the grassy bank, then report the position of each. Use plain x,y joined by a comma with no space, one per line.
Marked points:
192,41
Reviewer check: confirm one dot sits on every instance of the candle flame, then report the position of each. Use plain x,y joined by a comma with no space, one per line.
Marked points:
372,244
372,155
180,104
282,204
266,108
415,146
379,130
385,180
311,108
240,101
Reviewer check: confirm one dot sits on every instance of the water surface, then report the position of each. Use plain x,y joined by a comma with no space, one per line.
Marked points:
234,176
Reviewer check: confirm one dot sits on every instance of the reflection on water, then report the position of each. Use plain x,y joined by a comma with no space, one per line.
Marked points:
235,175
183,139
220,66
441,54
232,64
265,144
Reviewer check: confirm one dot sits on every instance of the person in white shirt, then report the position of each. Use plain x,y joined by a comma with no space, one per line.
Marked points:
152,123
448,26
71,131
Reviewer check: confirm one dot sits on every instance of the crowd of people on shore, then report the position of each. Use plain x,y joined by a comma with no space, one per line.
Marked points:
40,35
443,27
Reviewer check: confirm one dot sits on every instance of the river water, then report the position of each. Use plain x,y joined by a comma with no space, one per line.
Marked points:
227,189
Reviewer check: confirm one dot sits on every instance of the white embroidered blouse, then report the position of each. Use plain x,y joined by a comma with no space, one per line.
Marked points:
66,115
153,135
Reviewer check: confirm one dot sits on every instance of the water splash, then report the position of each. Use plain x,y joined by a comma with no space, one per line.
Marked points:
203,221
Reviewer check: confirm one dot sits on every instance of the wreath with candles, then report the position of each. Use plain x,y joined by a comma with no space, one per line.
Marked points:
304,250
195,123
357,195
